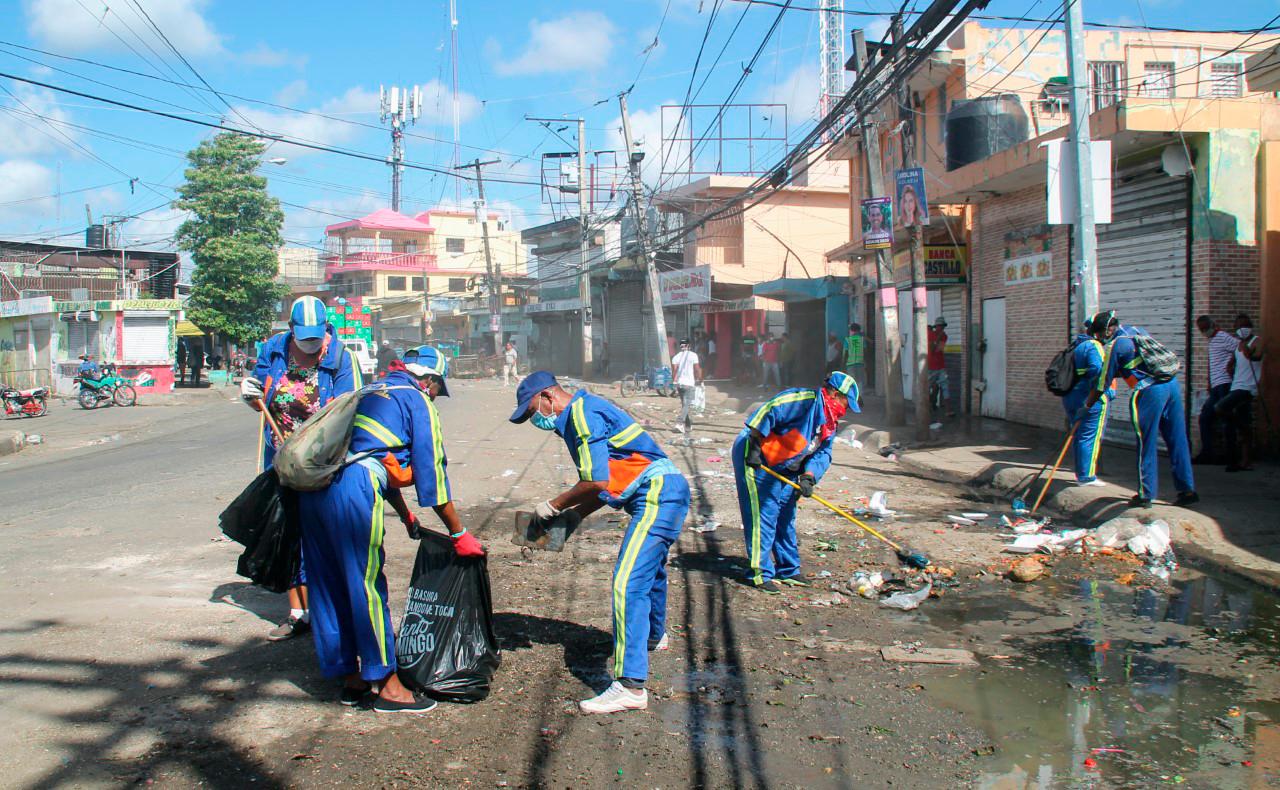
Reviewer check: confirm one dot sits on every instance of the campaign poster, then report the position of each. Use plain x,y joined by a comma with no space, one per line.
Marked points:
913,206
877,223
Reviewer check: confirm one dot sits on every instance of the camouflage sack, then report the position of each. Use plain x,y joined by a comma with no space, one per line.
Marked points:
313,454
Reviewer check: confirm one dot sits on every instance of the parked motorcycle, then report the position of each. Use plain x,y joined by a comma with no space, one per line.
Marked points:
111,388
26,403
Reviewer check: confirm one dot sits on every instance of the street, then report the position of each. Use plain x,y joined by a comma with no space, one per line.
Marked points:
130,652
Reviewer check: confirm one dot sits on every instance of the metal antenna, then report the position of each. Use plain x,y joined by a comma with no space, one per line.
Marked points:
401,107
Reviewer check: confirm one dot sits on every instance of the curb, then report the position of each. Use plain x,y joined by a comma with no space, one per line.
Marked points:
1197,537
11,442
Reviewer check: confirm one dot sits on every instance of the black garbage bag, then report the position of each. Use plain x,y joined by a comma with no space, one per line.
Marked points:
264,520
445,646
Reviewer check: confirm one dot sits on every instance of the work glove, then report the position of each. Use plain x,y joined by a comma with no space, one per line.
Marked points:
467,545
806,482
546,511
413,526
251,390
755,458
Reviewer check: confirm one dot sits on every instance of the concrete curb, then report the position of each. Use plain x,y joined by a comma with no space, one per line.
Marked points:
11,442
1197,538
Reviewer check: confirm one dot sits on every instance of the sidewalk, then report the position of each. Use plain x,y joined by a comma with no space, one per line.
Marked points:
1235,526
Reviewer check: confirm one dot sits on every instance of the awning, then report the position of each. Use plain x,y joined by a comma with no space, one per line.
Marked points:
187,329
797,289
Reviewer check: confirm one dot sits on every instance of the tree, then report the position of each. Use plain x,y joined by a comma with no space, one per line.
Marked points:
232,233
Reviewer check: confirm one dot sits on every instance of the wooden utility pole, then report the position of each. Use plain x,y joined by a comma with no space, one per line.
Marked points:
634,158
890,363
492,273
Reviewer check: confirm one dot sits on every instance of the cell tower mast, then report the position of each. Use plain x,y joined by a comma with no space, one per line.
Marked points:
401,107
457,110
831,56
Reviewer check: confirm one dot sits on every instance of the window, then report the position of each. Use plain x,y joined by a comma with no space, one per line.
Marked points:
455,245
417,285
1105,80
457,284
1157,79
1226,80
395,283
502,225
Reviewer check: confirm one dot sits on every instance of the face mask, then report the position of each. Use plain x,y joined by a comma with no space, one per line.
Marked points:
542,421
1244,332
309,346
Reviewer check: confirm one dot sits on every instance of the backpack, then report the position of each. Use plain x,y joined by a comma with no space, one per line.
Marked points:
314,453
1161,363
1061,376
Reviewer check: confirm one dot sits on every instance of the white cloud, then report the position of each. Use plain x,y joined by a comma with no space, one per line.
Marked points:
68,25
577,41
292,93
22,179
798,90
24,135
266,57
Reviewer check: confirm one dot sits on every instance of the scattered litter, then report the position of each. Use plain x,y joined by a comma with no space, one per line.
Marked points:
824,574
1149,540
715,459
908,600
878,505
34,438
1027,569
891,451
976,516
962,521
867,584
826,545
1020,507
706,524
834,599
508,473
1046,542
909,654
935,426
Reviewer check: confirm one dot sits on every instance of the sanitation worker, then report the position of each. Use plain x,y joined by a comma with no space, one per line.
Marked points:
396,442
620,465
297,372
1088,356
791,434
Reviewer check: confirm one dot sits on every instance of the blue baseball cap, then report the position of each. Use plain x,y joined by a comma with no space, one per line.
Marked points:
428,361
307,318
533,383
843,383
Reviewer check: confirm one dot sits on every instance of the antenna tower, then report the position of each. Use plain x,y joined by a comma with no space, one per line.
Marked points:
830,56
401,107
457,110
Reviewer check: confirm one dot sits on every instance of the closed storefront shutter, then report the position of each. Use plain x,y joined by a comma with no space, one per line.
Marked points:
1142,267
146,338
625,327
82,338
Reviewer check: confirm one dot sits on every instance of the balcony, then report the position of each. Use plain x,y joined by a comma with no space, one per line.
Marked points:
364,261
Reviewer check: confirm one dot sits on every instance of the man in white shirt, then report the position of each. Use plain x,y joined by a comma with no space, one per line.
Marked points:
1237,407
1221,346
687,371
509,370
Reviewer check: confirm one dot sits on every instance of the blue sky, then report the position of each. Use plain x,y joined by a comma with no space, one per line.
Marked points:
516,58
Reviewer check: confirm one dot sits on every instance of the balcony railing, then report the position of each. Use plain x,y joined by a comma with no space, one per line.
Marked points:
365,261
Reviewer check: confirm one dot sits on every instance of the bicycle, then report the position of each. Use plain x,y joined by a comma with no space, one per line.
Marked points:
657,380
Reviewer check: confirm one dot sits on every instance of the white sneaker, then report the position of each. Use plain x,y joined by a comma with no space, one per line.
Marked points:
678,428
1094,483
616,699
663,644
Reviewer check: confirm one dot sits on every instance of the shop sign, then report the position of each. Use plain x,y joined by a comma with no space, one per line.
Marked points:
737,305
944,264
685,286
32,305
554,306
1028,268
1028,255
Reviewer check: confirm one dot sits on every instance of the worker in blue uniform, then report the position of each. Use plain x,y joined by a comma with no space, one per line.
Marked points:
396,442
1155,409
1088,356
298,372
620,465
791,434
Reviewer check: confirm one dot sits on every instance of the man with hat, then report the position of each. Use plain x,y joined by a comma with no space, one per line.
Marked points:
620,465
396,442
791,434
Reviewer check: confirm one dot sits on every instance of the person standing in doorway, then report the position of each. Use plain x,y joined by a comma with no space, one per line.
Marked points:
509,370
688,377
195,358
769,362
1237,406
787,360
936,362
1222,346
180,360
834,349
749,358
710,365
855,354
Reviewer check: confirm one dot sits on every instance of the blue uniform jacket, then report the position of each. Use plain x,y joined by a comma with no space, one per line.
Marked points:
1124,362
791,423
606,445
339,372
402,421
1089,358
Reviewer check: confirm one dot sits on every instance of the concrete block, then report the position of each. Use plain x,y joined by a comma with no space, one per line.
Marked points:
11,442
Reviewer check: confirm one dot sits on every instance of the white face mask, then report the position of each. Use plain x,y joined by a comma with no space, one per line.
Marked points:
1244,332
309,346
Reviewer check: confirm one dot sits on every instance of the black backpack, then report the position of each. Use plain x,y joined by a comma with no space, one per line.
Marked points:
1061,376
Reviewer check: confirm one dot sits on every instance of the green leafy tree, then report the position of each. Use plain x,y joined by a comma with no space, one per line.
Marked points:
232,233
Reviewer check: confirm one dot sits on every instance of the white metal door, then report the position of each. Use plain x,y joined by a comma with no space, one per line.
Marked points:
994,360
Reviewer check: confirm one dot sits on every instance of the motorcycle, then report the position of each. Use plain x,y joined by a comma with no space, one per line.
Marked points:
27,403
111,388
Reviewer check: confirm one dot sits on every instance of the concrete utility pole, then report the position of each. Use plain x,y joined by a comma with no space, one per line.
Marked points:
1085,253
493,273
890,364
634,158
915,245
584,276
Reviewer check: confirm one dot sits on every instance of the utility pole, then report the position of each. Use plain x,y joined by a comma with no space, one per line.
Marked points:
890,368
915,245
492,273
1085,253
401,107
634,158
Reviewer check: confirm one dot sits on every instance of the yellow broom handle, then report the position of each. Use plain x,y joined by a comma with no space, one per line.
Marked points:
835,509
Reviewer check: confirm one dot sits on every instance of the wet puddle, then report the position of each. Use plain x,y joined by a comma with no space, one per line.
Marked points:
1096,684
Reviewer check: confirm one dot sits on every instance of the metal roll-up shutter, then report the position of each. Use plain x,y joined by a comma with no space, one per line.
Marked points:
1142,267
625,327
146,338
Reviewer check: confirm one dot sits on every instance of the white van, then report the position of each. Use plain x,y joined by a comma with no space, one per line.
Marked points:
368,364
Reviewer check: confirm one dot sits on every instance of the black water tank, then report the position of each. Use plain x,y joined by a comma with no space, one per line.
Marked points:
95,237
981,127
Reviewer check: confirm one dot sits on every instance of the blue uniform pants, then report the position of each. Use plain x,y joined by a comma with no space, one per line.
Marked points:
768,508
657,511
1158,408
342,533
1088,436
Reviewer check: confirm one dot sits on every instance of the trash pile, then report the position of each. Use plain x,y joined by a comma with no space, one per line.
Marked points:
896,592
1147,540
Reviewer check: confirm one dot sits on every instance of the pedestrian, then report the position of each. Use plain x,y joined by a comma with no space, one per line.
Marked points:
769,362
855,354
618,464
1222,347
936,362
1155,409
787,360
1237,406
397,431
671,345
749,355
1088,422
711,355
195,359
386,355
688,377
180,360
834,349
509,370
791,434
297,372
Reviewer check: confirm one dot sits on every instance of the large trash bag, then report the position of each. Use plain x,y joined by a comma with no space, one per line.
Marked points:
263,519
445,647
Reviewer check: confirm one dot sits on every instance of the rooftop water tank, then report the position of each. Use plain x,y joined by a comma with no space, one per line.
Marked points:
981,127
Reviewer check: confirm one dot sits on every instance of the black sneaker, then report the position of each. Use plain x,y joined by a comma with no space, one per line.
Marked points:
419,705
1186,498
793,581
771,587
351,697
1139,501
288,630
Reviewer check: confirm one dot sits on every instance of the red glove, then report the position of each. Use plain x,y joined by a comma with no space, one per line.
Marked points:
413,527
467,545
